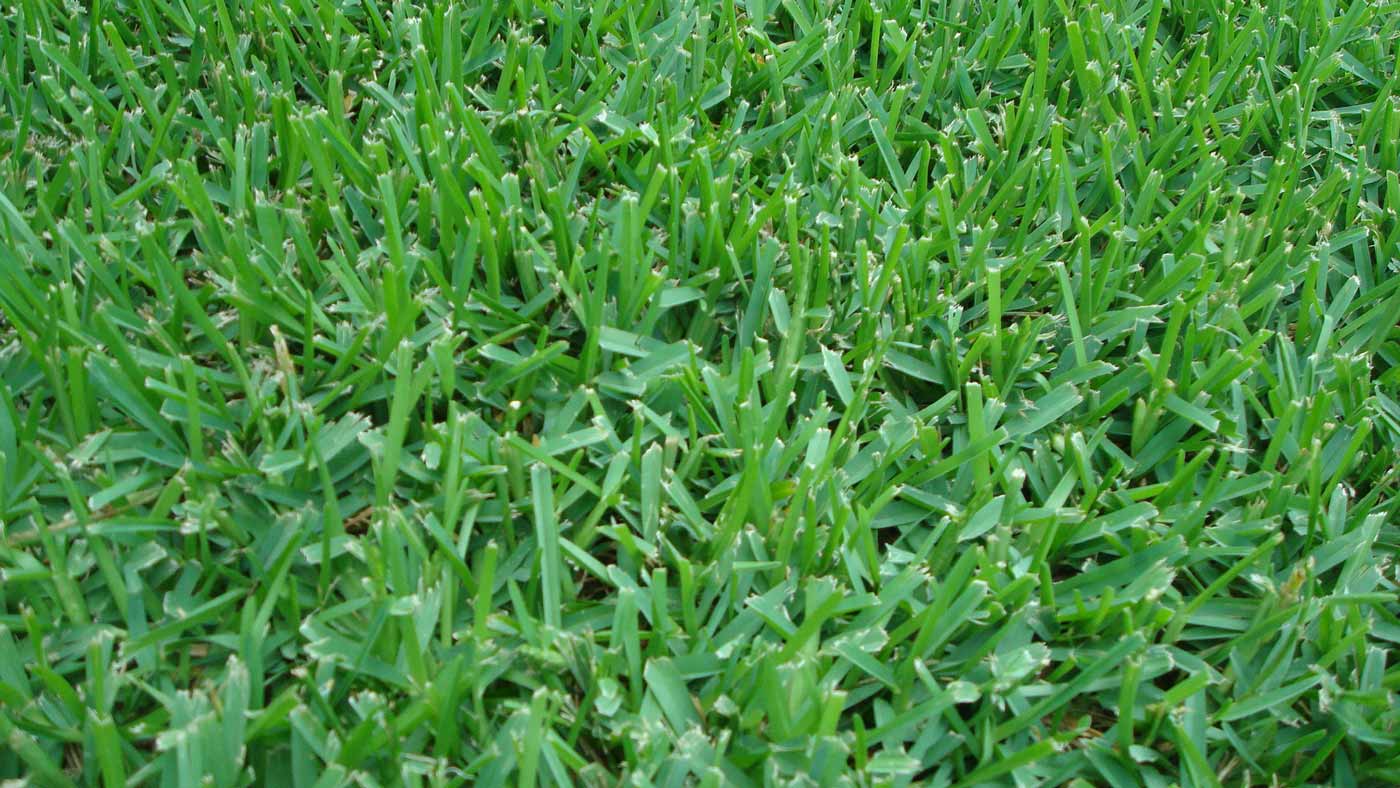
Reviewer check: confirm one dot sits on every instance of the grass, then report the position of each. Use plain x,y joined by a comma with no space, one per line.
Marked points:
699,392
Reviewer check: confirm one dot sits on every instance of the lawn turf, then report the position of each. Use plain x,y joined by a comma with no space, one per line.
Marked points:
711,392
